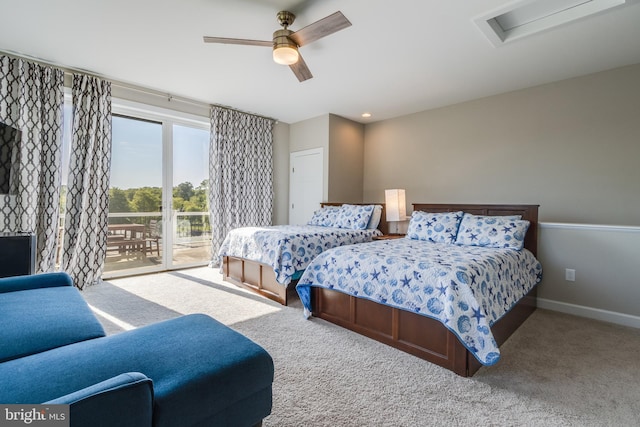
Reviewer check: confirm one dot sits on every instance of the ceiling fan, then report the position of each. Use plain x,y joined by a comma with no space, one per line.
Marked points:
285,42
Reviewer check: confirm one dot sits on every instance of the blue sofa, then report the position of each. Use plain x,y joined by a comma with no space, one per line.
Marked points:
187,371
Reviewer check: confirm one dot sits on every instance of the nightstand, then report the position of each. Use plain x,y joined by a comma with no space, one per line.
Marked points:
389,236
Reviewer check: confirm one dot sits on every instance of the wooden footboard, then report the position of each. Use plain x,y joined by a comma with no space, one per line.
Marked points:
411,332
256,277
261,278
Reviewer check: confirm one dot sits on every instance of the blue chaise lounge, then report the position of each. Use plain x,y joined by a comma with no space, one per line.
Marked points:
187,371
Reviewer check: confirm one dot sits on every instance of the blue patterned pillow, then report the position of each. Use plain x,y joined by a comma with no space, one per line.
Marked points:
355,217
325,217
434,227
492,231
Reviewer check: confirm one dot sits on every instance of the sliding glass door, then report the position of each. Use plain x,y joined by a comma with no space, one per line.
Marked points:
192,232
158,212
135,194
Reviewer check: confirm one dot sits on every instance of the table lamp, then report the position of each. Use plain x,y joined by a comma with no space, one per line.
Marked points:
396,206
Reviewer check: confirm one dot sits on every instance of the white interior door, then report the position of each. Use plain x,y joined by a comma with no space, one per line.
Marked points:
305,184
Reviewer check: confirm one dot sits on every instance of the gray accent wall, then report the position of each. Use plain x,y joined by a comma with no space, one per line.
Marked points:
346,160
573,147
605,259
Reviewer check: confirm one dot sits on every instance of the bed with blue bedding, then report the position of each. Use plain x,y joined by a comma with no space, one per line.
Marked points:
268,259
451,291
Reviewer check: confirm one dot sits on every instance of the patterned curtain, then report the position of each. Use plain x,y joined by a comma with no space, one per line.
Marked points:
240,173
32,100
85,231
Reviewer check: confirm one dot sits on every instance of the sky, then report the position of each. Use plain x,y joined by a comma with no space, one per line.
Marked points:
136,159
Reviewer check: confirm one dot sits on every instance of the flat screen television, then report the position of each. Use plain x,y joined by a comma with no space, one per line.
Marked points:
9,141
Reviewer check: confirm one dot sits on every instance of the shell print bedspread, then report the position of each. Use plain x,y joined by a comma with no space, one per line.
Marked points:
466,288
288,248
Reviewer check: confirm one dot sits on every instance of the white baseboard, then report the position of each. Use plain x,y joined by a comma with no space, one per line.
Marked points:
591,313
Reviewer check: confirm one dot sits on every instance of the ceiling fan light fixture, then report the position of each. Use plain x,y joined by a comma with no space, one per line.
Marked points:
285,51
285,55
285,43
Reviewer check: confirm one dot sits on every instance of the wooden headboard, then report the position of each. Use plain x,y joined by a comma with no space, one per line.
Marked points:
528,212
383,225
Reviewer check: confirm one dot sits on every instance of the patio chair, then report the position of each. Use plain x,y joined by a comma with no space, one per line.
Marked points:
154,232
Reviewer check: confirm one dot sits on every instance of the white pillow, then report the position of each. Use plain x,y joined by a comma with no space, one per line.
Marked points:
375,217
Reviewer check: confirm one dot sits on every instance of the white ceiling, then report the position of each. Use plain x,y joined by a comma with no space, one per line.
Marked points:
397,58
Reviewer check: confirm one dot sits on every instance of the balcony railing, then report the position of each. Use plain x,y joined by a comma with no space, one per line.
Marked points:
133,237
188,225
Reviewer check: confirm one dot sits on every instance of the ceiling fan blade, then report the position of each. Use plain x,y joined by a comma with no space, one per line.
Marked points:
301,70
248,42
322,28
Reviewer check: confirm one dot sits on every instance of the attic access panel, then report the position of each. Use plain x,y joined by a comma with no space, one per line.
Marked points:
527,17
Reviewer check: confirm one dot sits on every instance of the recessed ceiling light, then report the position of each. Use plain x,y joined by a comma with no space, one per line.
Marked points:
526,17
366,115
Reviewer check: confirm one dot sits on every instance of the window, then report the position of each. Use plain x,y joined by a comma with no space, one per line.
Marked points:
158,206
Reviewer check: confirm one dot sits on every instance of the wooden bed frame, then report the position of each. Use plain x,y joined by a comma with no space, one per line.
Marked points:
261,278
420,335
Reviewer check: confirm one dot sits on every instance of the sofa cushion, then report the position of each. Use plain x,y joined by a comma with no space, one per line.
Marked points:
199,367
36,320
35,281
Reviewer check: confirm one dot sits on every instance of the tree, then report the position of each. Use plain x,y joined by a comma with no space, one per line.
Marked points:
129,193
118,201
204,185
147,199
197,203
184,190
178,204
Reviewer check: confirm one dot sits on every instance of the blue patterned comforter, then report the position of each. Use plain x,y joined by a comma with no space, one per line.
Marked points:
288,248
466,288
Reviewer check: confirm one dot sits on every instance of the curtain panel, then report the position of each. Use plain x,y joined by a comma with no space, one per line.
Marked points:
240,173
87,208
32,100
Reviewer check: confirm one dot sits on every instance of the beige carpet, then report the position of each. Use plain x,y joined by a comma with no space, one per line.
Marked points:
556,370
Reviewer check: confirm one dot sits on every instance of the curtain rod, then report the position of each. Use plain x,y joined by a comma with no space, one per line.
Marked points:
70,70
171,97
276,121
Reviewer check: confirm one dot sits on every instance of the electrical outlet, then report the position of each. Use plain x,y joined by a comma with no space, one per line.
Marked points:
569,275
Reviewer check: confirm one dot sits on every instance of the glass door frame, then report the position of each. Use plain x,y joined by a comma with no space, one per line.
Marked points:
167,118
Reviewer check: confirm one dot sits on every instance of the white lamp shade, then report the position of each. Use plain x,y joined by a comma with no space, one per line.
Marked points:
396,205
285,55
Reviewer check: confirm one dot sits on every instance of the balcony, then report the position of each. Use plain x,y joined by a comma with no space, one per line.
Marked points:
136,242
